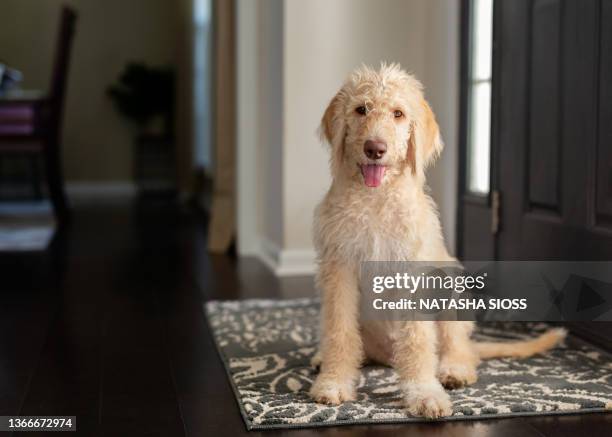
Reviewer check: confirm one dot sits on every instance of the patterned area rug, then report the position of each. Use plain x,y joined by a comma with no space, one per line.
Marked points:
266,346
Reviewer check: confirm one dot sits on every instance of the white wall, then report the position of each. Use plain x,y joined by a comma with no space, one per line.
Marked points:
322,41
259,75
441,80
249,220
271,124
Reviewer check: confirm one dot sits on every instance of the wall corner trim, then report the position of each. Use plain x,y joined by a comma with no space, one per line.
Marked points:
287,262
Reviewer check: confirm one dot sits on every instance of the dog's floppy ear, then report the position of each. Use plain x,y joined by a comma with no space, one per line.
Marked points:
425,140
326,130
333,129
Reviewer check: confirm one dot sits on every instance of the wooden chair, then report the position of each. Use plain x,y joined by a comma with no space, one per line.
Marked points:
30,123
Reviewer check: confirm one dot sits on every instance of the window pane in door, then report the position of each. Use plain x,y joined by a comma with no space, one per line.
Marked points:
479,138
481,39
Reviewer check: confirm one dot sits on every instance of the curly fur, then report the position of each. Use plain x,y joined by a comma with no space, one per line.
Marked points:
396,221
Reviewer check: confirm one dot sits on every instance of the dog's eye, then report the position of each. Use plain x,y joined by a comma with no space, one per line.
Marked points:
398,114
361,110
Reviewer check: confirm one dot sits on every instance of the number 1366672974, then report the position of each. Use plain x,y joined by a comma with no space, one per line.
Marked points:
37,423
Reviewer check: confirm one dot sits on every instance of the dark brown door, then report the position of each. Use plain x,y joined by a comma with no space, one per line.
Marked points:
551,136
550,191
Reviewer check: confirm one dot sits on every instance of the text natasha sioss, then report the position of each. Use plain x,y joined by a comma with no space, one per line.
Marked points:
450,304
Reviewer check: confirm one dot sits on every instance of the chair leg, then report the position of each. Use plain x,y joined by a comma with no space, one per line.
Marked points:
55,181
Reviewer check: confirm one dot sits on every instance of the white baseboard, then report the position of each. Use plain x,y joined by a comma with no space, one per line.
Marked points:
84,190
296,263
287,262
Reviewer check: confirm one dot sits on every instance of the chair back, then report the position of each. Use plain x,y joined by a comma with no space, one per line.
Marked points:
57,90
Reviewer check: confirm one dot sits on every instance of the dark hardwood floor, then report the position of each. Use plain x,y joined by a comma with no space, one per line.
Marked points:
108,326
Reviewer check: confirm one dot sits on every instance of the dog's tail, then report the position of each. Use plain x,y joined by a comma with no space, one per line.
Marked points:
521,349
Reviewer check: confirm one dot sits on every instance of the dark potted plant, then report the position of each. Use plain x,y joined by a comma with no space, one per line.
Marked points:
146,95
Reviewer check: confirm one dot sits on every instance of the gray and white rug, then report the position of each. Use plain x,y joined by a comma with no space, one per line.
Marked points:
266,347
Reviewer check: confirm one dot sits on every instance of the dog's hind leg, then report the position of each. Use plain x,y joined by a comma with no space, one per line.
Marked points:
415,359
458,358
341,346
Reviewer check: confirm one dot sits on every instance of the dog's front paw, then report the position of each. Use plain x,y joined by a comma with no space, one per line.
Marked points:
331,391
456,375
427,400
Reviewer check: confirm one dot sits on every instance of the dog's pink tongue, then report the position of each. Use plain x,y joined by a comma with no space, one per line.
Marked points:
373,174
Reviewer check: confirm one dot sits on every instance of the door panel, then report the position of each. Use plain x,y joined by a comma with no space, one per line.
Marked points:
550,78
603,210
545,75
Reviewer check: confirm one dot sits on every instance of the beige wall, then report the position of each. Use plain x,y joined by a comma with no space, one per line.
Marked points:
250,193
270,110
441,80
321,42
260,72
110,33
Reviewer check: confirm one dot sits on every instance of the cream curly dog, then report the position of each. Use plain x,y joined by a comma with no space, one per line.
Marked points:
383,135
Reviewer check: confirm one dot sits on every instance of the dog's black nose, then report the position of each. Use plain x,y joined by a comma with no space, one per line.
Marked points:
374,149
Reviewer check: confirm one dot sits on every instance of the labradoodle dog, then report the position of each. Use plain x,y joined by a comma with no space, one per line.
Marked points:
383,135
